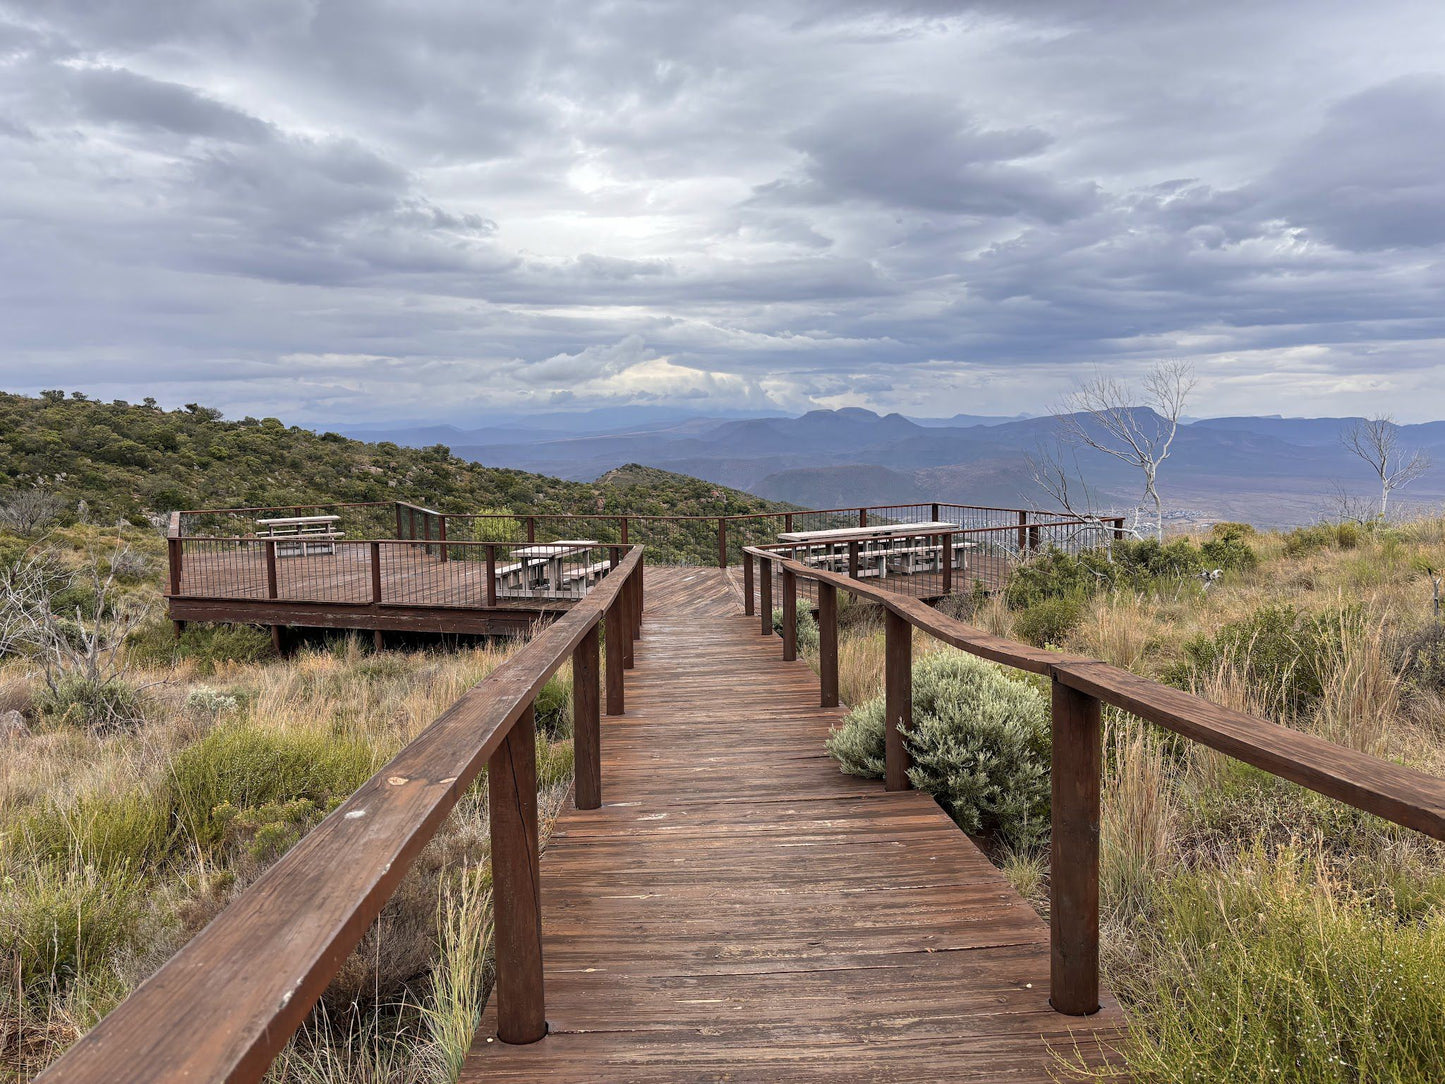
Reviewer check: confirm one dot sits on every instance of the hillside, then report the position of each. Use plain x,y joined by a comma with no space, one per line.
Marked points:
128,461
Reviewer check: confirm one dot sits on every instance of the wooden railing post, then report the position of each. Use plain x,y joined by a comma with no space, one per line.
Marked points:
614,556
175,554
398,521
722,542
828,644
934,512
517,900
270,568
1074,876
376,573
1119,528
626,602
748,607
531,529
897,699
442,535
634,585
862,517
1023,531
790,615
1034,538
586,721
947,540
787,521
852,560
491,575
624,530
616,632
765,595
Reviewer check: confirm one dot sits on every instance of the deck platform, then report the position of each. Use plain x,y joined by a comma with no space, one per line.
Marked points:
740,910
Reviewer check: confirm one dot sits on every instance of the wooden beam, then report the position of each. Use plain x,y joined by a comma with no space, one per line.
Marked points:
616,633
748,605
765,595
586,721
516,886
898,699
828,644
1074,852
790,616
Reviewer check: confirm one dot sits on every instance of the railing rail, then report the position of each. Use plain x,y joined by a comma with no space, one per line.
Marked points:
224,1006
1403,795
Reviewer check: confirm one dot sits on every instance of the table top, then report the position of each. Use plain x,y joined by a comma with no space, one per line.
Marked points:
862,534
289,521
560,548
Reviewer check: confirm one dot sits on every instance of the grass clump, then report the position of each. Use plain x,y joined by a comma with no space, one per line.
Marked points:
207,647
1272,971
980,746
75,699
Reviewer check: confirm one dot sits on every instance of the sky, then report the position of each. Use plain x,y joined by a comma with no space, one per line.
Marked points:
369,211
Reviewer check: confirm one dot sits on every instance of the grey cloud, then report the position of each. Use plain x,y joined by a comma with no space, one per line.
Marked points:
114,94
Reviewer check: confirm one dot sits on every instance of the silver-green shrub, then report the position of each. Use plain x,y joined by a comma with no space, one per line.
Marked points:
980,745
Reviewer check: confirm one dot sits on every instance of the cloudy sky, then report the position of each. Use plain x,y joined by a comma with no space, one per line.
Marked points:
371,211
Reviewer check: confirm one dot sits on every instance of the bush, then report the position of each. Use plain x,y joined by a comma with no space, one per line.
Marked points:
980,745
1283,654
111,832
1143,559
245,768
207,645
1271,972
1305,540
56,920
1050,621
1056,574
75,700
1227,549
806,627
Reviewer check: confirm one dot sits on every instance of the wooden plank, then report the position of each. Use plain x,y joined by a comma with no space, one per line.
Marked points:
741,910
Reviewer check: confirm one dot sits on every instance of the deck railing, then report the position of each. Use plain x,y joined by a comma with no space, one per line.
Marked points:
1080,686
699,540
224,1006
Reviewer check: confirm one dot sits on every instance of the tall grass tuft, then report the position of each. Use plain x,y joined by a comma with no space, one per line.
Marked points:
1137,816
459,977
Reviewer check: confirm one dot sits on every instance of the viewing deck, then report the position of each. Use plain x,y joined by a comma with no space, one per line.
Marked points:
739,909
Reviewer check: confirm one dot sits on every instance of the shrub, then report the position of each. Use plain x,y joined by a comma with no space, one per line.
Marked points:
1284,655
1050,621
76,700
980,745
1142,559
1056,574
1231,529
1270,972
1228,548
56,920
206,645
244,767
131,830
1305,540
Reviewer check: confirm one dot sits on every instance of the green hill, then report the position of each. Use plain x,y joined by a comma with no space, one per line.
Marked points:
133,462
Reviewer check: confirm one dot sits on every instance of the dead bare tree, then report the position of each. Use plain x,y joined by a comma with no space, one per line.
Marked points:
27,510
1136,425
1376,440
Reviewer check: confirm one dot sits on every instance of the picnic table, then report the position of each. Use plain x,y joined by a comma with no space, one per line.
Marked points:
301,536
542,569
910,545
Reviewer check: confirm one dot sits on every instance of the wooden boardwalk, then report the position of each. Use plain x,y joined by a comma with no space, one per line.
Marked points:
738,909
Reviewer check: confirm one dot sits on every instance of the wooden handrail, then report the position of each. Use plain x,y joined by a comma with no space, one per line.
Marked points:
227,1002
1397,793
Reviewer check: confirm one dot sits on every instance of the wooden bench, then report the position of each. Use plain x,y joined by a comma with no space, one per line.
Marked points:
302,536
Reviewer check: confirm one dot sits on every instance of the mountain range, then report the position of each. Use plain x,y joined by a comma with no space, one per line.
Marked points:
1272,471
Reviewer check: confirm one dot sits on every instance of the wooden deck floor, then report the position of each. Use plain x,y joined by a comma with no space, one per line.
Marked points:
740,910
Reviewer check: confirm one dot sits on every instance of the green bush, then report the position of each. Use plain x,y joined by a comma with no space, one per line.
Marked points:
1345,536
1143,559
96,705
245,767
553,708
1228,549
1267,974
1050,621
806,626
112,832
207,645
1056,574
1283,653
980,745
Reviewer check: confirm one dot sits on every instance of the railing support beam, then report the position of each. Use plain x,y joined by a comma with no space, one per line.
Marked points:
586,721
748,605
616,633
828,644
1074,873
790,615
897,699
512,806
765,596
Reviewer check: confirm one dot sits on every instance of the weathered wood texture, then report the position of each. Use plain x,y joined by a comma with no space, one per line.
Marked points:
741,910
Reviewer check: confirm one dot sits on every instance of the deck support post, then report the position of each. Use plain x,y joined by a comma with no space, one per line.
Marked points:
512,806
897,699
586,723
947,561
491,576
748,607
270,568
278,639
615,633
1074,870
765,595
378,640
626,623
790,615
828,644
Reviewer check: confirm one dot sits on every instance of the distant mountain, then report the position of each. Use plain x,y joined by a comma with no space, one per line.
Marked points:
1273,470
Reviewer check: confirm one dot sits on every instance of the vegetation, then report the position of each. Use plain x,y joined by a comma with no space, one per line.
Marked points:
1252,930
